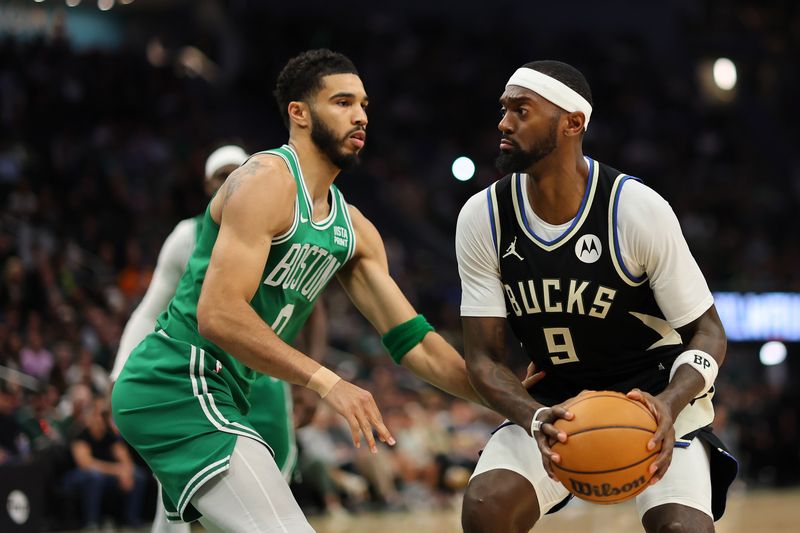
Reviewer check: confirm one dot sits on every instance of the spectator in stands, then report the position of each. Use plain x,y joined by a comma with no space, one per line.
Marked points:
41,422
103,463
64,358
86,372
35,359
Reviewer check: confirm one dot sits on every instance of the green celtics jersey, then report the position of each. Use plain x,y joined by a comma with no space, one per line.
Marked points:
301,262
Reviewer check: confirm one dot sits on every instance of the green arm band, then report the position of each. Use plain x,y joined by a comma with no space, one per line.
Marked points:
401,338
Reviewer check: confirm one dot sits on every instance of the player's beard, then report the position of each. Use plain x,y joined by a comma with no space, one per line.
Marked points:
325,139
519,160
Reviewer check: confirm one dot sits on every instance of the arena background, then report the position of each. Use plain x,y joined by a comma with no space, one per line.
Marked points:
108,110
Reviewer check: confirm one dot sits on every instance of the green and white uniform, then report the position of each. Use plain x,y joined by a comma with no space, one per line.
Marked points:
181,401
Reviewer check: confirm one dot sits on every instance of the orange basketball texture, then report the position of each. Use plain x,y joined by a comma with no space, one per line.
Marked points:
605,459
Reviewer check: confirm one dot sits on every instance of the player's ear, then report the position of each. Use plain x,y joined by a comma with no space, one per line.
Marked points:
299,114
574,123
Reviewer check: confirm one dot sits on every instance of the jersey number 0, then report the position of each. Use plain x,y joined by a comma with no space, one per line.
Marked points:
282,319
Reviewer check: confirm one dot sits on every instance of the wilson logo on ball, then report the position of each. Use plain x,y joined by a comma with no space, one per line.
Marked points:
580,488
605,458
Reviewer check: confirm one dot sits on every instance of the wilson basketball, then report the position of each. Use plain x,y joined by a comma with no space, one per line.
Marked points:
605,459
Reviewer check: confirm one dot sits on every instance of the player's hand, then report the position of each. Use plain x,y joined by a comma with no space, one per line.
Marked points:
532,377
664,435
358,407
548,435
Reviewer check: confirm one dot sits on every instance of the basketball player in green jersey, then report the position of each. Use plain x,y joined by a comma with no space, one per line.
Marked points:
274,235
276,427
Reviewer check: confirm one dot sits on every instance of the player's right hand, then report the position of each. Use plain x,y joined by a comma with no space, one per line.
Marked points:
664,435
548,435
358,407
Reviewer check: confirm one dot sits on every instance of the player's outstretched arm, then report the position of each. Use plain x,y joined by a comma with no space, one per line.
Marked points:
255,204
367,281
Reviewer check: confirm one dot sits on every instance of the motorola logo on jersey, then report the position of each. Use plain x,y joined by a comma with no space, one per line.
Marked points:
588,248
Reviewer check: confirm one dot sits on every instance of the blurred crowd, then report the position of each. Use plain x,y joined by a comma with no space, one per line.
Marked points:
101,153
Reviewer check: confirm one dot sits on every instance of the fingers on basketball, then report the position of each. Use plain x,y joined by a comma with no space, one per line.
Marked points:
606,458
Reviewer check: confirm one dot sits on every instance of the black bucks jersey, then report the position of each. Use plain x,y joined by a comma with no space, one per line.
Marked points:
579,314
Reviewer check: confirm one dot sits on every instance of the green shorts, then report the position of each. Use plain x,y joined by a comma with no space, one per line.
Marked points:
173,405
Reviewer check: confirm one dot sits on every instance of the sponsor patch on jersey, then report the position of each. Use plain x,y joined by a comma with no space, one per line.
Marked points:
340,236
588,248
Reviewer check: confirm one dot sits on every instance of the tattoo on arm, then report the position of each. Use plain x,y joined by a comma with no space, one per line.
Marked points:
236,178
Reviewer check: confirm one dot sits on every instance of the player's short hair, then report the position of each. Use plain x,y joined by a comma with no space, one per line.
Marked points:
566,74
302,76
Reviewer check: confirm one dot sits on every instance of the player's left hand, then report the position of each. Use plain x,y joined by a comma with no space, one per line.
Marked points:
664,435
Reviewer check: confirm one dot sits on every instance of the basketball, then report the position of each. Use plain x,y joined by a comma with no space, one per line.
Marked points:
605,459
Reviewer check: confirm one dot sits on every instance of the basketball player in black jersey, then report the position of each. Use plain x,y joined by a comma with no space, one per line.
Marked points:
590,270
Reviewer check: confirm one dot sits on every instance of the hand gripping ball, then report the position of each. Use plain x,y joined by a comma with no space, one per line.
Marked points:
605,459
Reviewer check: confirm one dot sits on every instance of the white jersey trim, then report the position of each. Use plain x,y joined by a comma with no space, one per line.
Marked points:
613,235
286,235
190,488
352,245
327,221
291,457
520,199
494,217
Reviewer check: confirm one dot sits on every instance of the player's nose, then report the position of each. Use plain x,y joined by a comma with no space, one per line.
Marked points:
360,116
505,124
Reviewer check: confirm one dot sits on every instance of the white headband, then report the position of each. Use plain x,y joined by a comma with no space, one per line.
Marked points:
227,155
553,90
